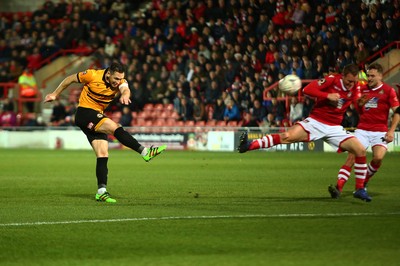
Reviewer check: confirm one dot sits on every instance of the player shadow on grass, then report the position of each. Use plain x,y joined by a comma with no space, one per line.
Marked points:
81,196
91,197
238,199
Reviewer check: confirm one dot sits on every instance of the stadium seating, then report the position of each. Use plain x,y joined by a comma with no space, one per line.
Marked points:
153,111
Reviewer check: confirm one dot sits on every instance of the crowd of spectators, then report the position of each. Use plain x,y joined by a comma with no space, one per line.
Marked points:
202,54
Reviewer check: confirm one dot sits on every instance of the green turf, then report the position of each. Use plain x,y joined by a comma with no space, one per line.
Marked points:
194,208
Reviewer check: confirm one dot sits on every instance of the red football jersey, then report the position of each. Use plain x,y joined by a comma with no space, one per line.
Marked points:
374,114
324,110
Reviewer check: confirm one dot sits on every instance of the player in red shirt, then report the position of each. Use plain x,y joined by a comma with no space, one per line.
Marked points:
333,94
377,98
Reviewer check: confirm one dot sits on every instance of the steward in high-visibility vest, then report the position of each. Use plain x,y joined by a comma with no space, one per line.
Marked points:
362,77
27,84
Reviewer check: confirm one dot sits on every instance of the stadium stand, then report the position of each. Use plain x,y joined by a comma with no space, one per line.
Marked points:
176,49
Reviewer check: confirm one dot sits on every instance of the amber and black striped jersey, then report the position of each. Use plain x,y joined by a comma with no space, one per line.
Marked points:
97,93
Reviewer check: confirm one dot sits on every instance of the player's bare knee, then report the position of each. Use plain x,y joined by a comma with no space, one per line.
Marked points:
360,152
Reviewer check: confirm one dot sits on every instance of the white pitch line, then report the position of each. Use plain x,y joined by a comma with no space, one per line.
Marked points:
293,215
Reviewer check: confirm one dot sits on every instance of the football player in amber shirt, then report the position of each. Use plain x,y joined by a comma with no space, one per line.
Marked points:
333,95
377,98
100,87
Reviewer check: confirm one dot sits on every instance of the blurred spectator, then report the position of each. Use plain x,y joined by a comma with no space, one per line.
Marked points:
198,110
219,110
60,9
258,112
361,53
33,120
308,71
193,38
374,42
8,118
307,106
276,109
270,122
28,88
169,91
15,70
297,69
7,104
58,113
298,15
178,101
118,9
109,47
296,110
212,92
346,59
248,120
391,33
139,96
126,117
34,59
70,109
158,91
186,110
231,112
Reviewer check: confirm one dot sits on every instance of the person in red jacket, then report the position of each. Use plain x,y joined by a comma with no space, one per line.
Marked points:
377,98
333,94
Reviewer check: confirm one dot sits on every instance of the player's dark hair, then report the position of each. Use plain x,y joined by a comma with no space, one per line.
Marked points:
377,67
116,67
351,69
397,110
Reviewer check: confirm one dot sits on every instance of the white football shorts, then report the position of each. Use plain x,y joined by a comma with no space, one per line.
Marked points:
333,135
371,138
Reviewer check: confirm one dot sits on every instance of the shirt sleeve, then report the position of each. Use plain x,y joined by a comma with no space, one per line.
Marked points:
394,100
85,76
123,84
316,88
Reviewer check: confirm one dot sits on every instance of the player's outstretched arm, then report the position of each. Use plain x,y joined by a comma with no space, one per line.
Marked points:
60,88
125,95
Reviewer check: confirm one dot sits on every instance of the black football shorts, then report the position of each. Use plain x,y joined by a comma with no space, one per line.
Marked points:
87,119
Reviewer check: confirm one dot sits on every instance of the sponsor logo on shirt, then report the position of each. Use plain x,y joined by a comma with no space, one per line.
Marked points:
340,103
372,103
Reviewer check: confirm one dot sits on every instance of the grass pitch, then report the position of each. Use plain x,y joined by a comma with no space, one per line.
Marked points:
194,208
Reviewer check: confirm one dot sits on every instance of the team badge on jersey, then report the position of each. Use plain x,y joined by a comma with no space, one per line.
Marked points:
321,81
100,115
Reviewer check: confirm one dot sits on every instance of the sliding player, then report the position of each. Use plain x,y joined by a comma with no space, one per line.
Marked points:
333,94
